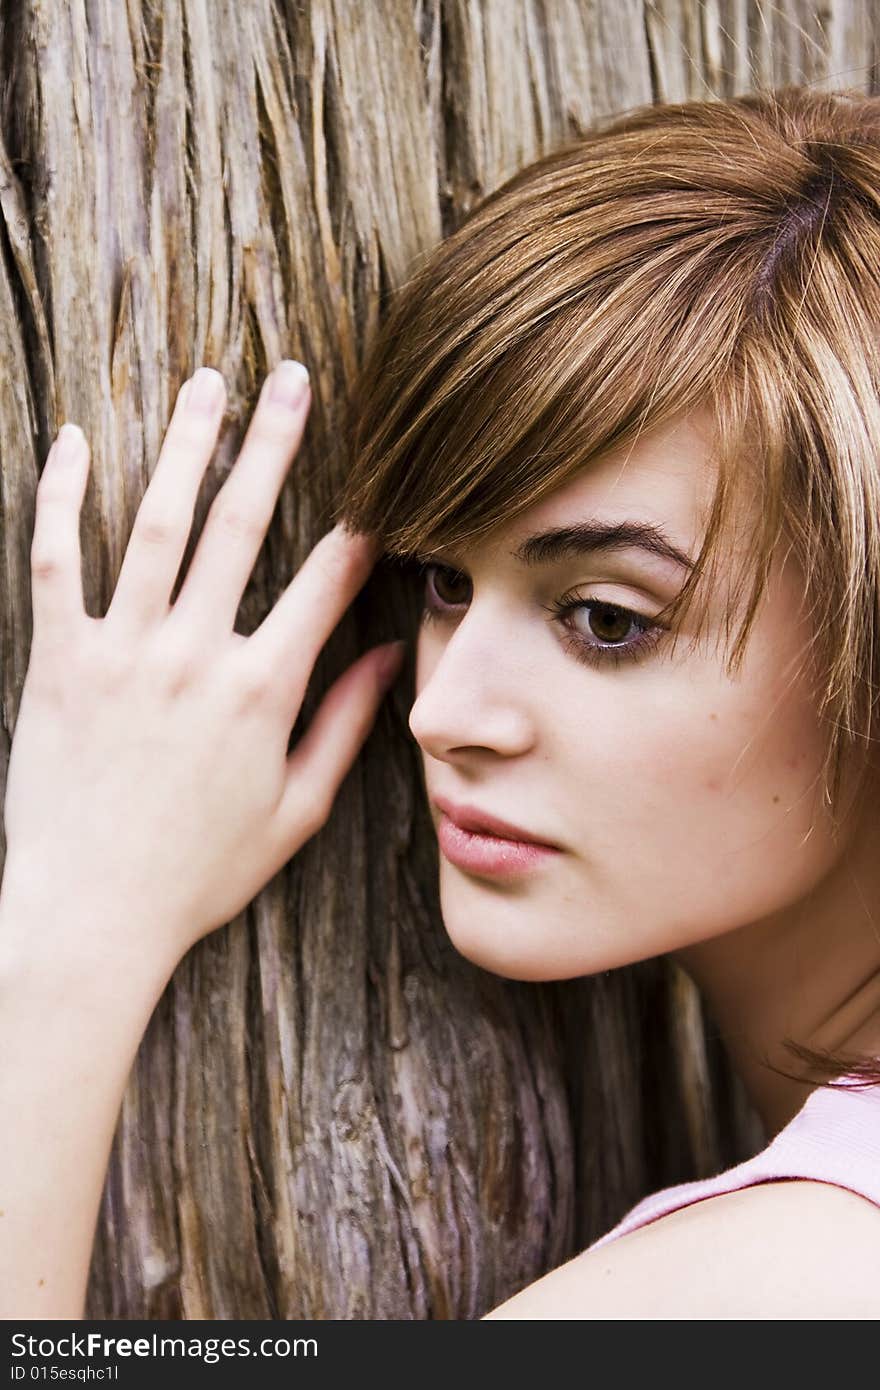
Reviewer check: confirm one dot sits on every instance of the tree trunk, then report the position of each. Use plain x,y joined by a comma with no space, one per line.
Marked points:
333,1114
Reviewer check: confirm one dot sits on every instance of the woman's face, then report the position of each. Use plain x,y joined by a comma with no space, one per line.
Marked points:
682,803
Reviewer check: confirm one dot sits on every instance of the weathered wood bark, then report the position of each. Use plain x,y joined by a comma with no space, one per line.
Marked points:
333,1114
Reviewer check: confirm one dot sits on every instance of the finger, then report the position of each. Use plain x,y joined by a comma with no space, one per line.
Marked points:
56,556
321,760
164,518
290,637
241,512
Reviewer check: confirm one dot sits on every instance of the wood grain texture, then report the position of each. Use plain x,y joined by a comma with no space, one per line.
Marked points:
333,1114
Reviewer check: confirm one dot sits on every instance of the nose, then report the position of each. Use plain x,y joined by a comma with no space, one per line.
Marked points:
473,691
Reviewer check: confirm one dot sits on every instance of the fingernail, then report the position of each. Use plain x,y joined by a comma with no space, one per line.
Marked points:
390,662
69,443
288,384
205,391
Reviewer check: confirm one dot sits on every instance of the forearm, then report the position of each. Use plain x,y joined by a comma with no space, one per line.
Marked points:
70,1025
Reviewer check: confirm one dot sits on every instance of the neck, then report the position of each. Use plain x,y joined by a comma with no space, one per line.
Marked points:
809,974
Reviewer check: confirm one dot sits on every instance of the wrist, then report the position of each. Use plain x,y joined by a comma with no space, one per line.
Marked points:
77,942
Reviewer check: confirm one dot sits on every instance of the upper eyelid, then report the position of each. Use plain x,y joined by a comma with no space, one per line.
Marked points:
424,561
568,598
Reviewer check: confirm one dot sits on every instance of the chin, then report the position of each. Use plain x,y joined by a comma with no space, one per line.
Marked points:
520,932
503,963
500,936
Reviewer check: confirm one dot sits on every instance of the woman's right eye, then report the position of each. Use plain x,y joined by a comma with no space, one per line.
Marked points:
445,588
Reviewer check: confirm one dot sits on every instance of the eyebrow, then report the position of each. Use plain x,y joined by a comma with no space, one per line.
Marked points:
561,542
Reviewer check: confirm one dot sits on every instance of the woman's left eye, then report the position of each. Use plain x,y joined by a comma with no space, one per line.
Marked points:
602,638
613,623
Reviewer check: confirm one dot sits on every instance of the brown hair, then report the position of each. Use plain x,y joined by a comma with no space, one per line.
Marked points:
706,253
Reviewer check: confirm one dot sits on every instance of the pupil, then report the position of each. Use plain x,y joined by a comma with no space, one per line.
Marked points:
610,617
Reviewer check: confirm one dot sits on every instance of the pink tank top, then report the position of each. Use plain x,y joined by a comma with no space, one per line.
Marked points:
834,1137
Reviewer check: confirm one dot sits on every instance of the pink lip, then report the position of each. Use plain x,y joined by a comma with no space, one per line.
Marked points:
494,854
488,854
480,822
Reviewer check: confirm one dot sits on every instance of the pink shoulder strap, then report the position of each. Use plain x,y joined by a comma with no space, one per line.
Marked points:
834,1138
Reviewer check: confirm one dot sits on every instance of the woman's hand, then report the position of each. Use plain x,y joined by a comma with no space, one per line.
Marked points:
149,781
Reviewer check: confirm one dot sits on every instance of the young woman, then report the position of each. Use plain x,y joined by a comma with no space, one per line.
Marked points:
626,421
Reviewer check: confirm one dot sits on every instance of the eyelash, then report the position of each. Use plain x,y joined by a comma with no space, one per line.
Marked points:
588,652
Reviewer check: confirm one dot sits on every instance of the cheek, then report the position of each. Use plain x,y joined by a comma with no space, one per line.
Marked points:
718,802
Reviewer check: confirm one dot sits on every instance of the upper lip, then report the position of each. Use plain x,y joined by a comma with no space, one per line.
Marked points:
471,818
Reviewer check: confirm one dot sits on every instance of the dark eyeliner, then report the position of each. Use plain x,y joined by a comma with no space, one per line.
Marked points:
592,653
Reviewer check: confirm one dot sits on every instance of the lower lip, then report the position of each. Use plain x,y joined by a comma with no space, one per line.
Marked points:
490,854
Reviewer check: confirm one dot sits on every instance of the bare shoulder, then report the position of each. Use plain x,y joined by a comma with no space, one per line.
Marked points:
790,1249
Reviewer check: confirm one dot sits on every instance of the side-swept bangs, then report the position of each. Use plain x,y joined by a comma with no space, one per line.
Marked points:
720,254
